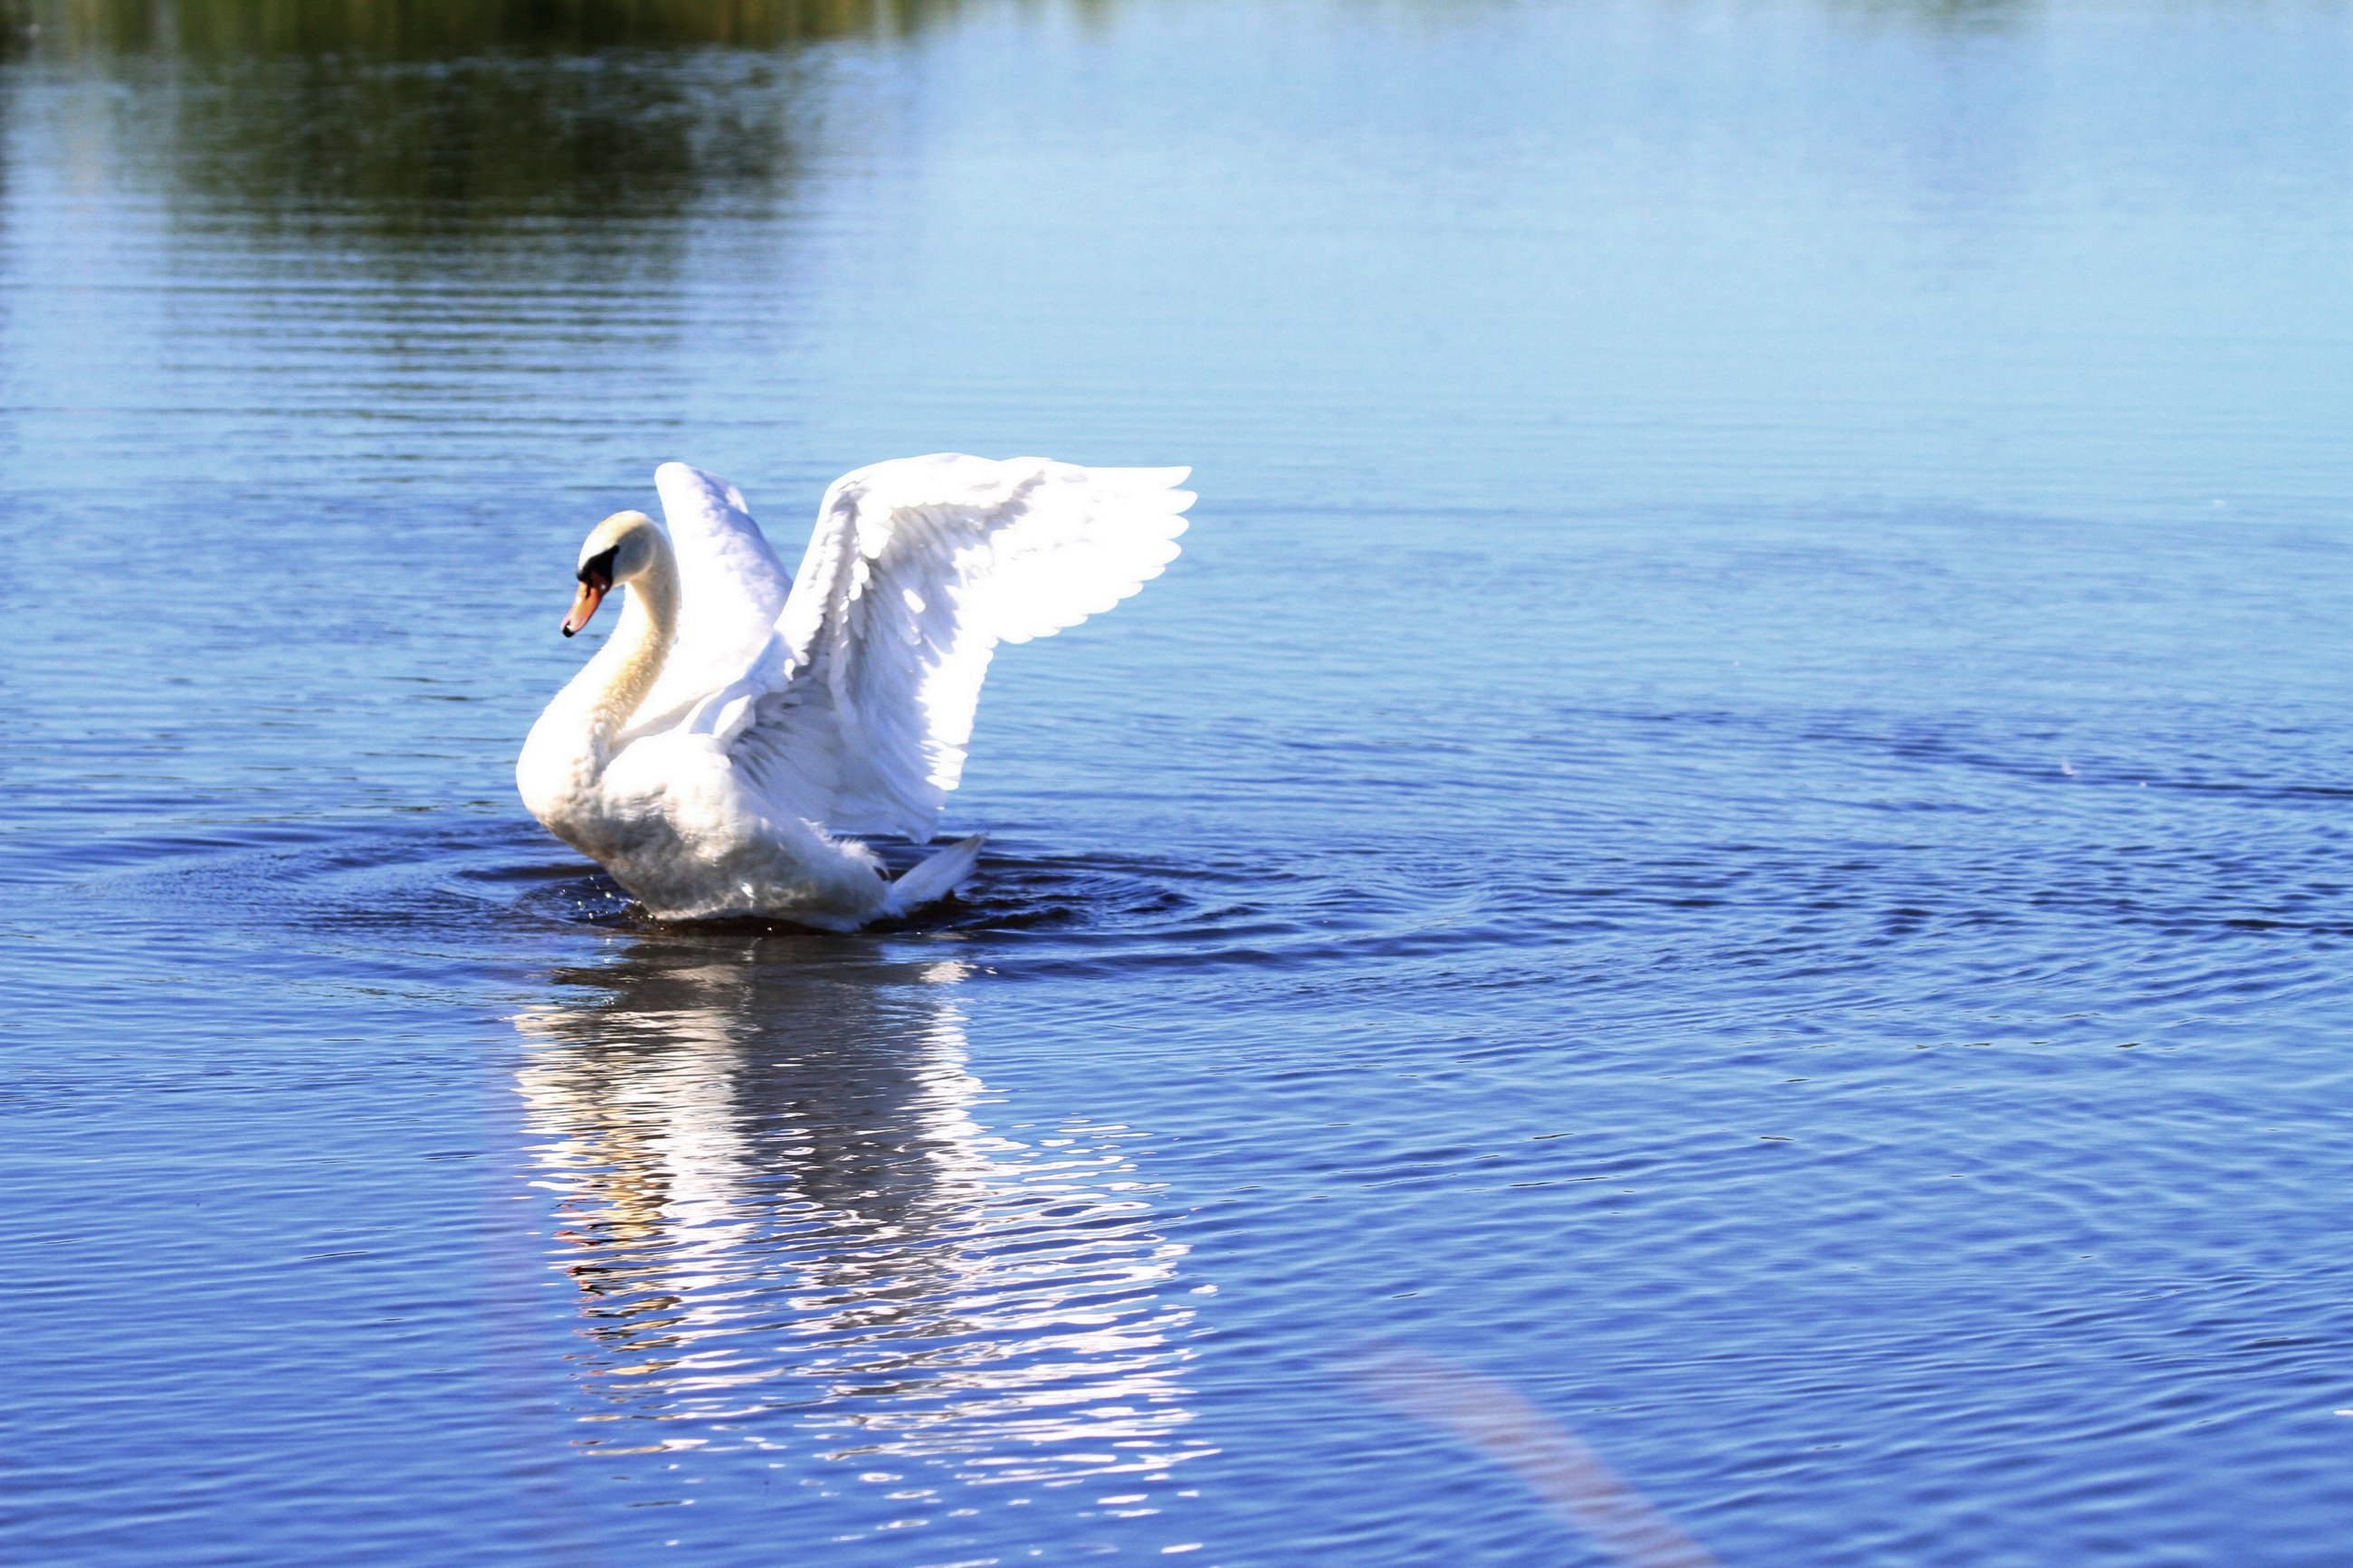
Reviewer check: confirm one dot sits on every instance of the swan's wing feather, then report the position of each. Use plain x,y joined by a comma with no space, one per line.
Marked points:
732,586
861,705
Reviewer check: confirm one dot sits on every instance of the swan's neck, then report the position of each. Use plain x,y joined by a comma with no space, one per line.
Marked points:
612,685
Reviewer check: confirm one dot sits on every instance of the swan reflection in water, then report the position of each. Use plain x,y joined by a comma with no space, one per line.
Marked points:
790,1231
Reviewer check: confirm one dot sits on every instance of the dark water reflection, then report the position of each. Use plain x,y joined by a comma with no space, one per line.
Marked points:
234,31
789,1231
563,149
1955,16
577,158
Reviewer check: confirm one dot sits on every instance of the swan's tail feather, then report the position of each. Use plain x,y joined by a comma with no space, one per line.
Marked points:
937,876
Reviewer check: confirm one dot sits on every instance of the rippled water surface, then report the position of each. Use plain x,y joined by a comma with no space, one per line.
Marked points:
1707,922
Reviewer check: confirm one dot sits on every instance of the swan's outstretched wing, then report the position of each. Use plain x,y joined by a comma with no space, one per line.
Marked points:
732,587
859,710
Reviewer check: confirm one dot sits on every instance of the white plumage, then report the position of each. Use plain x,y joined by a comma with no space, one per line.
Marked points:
738,718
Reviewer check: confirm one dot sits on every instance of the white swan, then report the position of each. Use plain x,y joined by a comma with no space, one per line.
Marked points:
738,719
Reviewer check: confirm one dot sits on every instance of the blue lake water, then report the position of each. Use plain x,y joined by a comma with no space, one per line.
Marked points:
1716,894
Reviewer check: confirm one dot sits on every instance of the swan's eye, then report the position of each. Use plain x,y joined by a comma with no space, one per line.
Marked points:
597,570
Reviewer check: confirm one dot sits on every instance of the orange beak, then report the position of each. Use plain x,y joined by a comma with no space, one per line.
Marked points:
584,604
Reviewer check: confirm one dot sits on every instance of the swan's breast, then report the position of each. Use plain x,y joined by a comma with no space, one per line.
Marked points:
553,775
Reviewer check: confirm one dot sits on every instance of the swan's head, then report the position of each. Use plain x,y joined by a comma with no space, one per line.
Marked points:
618,549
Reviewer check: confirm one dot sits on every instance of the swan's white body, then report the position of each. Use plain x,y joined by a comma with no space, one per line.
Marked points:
738,718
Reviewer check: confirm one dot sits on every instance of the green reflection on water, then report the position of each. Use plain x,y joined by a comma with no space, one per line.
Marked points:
441,29
479,148
587,127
